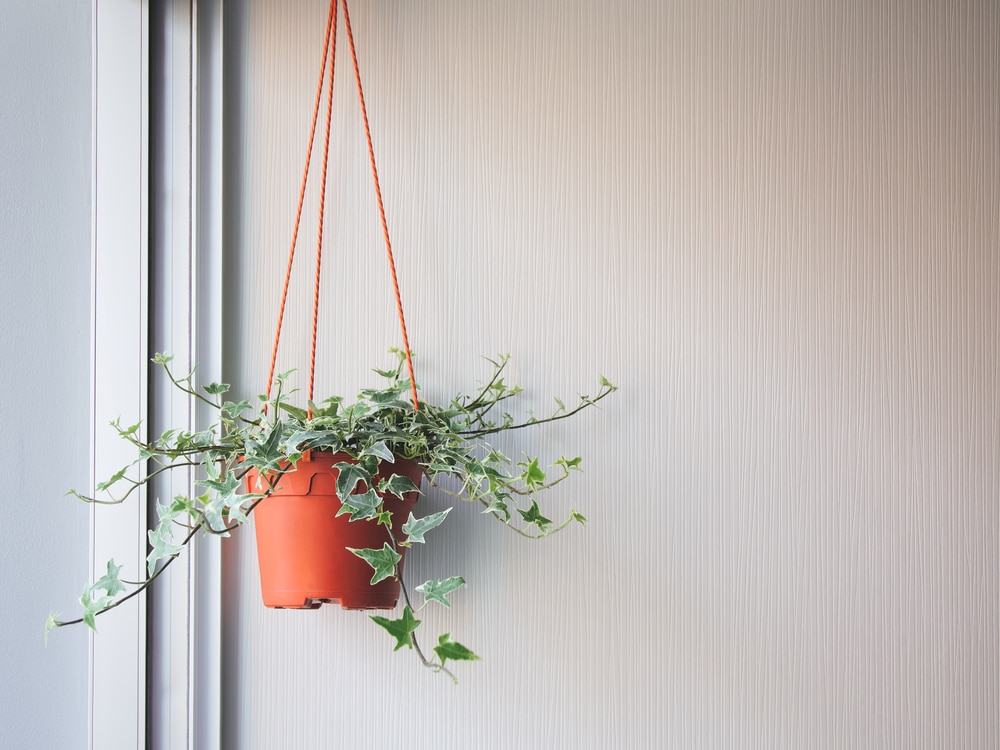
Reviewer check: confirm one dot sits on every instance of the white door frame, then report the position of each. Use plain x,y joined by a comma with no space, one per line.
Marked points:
167,696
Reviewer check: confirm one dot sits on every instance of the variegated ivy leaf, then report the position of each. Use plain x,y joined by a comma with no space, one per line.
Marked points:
226,503
361,506
449,649
475,469
110,582
398,485
498,508
415,528
348,477
578,517
234,409
383,561
92,606
234,508
99,595
212,508
379,450
306,439
437,590
181,506
161,540
401,629
226,486
212,470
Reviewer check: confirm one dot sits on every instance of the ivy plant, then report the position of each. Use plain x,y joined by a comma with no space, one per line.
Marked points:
450,443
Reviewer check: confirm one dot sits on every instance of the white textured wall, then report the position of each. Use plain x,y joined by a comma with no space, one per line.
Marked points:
45,188
776,226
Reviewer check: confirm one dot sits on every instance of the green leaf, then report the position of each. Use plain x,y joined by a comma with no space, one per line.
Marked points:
130,430
214,389
449,649
401,629
415,528
388,396
361,506
578,517
533,476
117,476
332,406
51,623
298,413
348,477
436,590
570,463
383,561
379,450
533,515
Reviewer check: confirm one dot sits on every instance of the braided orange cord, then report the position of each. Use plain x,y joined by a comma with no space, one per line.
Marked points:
381,209
322,207
302,191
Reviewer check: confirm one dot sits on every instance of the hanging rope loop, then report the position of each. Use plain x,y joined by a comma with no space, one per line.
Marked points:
329,54
381,209
330,30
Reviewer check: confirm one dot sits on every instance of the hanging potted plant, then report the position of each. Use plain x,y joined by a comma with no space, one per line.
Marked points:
380,448
333,485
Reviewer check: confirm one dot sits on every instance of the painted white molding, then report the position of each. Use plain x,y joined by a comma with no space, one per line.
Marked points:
157,248
186,316
119,342
171,322
205,692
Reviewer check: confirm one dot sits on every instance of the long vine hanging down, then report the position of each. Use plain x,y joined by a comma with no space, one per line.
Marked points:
379,428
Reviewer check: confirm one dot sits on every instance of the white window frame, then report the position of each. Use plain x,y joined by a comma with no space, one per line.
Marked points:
181,689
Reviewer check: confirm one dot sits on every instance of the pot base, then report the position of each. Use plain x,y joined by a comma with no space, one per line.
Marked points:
298,600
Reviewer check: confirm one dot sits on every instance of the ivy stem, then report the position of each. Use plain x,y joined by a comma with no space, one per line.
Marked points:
584,403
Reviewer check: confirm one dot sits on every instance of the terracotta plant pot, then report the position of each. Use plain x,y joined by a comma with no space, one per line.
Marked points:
302,543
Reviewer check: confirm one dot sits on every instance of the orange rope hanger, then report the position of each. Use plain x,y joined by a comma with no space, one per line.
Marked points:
330,53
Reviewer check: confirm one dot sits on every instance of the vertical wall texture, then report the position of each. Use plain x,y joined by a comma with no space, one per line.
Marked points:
776,226
45,115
